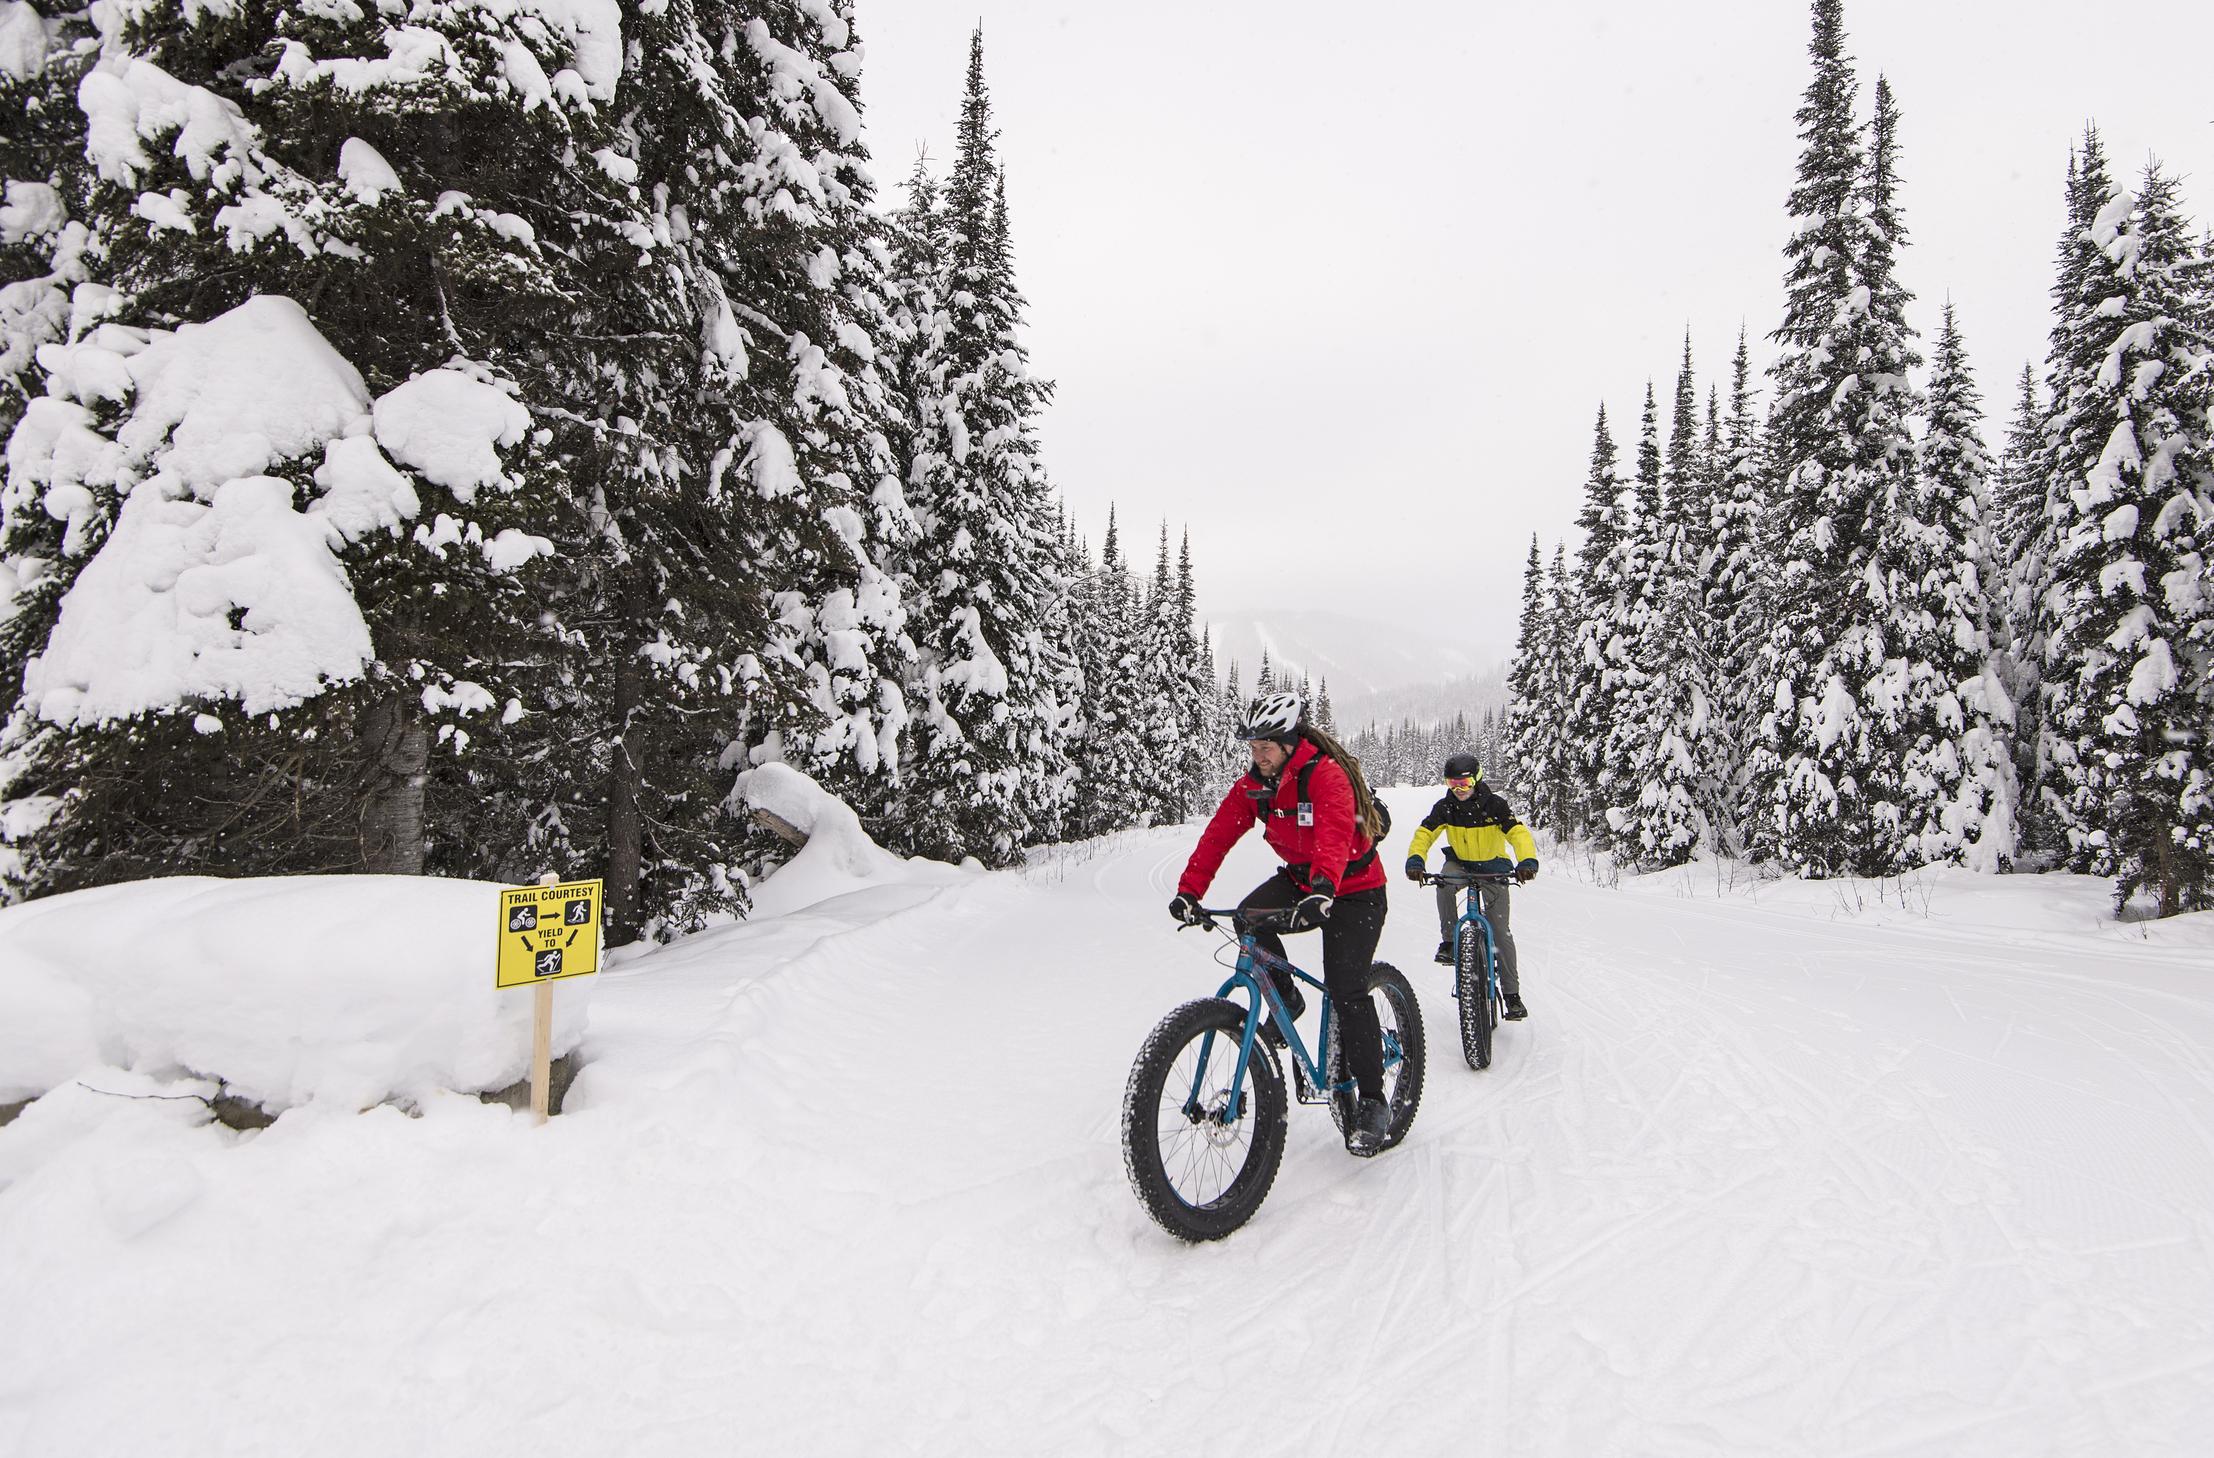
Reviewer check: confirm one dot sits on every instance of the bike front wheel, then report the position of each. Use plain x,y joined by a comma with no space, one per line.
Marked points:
1399,1017
1200,1173
1473,982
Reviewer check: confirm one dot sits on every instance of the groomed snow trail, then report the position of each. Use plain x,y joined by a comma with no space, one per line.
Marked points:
1764,1174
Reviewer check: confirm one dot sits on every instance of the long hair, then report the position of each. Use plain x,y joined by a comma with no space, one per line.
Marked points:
1365,816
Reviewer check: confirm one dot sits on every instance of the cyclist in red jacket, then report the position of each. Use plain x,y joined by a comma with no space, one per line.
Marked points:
1330,878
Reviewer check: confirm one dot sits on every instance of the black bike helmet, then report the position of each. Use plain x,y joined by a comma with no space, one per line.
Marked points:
1463,764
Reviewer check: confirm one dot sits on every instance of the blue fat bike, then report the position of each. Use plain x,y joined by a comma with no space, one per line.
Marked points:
1475,967
1204,1113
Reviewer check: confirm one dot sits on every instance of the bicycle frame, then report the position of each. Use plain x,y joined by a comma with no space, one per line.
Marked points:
1253,963
1471,910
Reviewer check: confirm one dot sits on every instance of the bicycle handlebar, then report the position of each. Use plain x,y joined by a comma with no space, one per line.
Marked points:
1492,878
1275,918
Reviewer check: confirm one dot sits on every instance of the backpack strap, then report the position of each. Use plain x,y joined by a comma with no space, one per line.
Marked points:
1366,858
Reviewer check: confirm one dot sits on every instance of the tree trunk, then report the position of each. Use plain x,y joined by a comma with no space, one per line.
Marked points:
2164,872
394,744
625,827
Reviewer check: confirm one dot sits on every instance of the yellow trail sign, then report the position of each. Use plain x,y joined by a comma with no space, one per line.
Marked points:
548,933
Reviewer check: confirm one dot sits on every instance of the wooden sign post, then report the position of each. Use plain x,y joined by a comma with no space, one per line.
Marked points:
546,933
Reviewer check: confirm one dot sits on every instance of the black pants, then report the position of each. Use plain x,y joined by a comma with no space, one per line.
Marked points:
1349,940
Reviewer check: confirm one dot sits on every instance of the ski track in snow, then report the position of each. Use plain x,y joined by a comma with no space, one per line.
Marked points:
849,1181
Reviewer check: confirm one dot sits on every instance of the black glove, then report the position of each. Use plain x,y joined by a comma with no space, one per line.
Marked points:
1526,872
1185,908
1311,912
1415,867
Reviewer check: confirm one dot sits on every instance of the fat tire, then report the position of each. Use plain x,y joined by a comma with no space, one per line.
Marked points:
1405,1094
1473,979
1141,1110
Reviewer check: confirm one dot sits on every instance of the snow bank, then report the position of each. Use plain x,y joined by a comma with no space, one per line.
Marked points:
839,856
354,990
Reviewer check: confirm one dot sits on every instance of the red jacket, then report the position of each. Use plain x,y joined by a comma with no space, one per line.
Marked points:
1317,852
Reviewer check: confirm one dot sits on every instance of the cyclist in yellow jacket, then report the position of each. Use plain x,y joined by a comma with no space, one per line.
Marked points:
1482,838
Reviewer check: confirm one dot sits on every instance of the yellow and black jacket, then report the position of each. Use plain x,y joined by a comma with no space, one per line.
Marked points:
1480,832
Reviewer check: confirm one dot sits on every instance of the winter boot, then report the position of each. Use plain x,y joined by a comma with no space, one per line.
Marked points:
1371,1125
1515,1012
1444,954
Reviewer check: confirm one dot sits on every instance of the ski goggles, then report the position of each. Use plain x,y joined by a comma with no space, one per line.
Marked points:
1460,782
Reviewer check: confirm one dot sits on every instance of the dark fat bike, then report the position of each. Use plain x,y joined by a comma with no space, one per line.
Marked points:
1475,967
1204,1113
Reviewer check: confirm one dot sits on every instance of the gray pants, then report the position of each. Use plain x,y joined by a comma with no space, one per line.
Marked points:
1492,902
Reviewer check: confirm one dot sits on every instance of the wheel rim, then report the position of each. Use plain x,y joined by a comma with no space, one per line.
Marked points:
1202,1156
1395,1047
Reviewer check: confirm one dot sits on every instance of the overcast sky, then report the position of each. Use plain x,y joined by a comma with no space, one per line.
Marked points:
1342,288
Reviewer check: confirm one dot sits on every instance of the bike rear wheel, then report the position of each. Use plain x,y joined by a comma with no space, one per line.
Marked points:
1405,1053
1473,982
1199,1175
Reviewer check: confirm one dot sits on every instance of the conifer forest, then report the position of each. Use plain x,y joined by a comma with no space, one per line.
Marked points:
1821,622
457,439
457,442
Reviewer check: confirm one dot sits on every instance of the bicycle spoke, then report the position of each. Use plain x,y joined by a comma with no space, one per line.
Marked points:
1203,1157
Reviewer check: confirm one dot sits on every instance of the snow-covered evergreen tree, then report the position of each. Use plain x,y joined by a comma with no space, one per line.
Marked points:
2127,606
1107,755
1527,738
1588,692
1737,576
1624,624
1670,752
1825,769
1957,780
199,416
989,772
2014,570
1206,732
1167,689
743,472
1235,757
1553,796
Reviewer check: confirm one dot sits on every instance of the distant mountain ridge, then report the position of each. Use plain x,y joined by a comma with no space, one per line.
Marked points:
1376,672
1430,703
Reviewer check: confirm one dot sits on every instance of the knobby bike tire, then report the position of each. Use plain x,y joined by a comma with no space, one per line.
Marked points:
1177,1184
1402,1014
1473,979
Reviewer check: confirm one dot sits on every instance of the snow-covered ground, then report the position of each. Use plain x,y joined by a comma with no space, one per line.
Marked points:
1925,1168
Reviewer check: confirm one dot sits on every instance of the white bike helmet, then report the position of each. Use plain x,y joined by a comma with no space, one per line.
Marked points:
1272,716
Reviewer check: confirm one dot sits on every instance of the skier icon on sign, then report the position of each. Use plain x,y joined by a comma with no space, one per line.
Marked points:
548,963
577,913
522,918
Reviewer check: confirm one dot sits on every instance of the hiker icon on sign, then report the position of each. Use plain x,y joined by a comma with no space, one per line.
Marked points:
522,918
548,963
577,913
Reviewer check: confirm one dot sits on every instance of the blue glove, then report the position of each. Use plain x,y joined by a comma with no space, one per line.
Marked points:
1415,867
